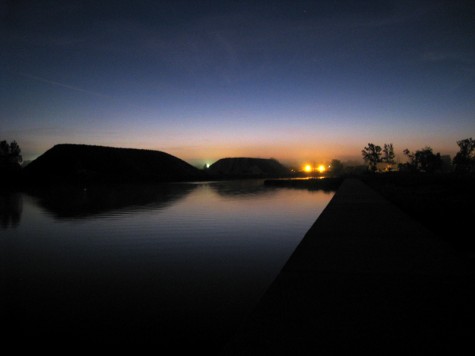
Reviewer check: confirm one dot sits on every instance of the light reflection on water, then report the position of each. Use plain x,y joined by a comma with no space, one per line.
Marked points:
167,264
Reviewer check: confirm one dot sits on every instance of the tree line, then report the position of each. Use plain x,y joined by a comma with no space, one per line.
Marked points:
423,160
10,154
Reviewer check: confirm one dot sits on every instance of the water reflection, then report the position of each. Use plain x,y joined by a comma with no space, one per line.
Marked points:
163,266
241,188
11,207
65,203
74,203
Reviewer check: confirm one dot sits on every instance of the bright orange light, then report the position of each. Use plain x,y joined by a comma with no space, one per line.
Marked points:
308,168
321,168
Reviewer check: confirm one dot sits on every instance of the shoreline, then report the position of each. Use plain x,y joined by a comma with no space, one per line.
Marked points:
319,183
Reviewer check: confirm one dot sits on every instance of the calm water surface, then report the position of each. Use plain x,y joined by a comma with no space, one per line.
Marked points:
169,265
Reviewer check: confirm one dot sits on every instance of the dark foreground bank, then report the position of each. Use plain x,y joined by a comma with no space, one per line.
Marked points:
368,278
443,203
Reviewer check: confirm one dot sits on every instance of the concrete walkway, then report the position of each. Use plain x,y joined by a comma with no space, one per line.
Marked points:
365,278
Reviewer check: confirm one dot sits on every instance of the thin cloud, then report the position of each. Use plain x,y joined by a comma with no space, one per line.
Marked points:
62,85
81,90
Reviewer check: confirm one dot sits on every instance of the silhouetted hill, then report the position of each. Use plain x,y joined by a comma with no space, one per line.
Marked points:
86,164
248,167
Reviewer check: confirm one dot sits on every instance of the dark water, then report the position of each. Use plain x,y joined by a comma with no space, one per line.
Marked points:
173,266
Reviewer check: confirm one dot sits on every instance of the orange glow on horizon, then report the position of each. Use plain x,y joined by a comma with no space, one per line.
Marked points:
308,168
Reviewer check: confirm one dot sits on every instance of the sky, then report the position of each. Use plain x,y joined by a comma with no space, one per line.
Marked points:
202,80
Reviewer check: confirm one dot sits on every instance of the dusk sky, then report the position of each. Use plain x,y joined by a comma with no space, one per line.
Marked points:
203,80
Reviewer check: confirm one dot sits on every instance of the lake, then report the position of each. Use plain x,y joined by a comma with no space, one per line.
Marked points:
169,266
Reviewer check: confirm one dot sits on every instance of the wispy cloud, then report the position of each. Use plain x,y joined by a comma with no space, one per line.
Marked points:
110,98
63,85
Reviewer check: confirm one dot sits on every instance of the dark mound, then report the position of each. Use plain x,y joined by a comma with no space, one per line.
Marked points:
97,164
248,167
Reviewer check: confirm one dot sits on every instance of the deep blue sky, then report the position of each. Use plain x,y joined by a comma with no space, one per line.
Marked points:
293,80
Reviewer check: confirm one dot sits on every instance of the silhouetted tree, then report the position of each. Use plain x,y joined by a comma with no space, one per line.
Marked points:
4,150
372,155
464,160
336,167
10,154
10,159
388,153
424,160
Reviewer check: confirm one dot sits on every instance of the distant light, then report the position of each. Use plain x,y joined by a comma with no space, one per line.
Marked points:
308,168
321,168
207,165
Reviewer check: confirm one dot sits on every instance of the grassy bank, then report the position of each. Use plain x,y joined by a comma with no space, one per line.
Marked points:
444,203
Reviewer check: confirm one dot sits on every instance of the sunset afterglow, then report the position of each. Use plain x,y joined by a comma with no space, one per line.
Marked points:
311,81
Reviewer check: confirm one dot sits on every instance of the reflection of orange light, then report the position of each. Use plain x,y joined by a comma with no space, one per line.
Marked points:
321,168
308,168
